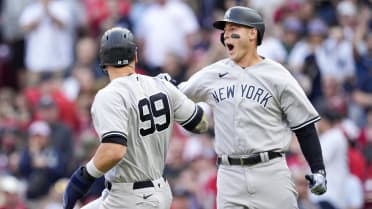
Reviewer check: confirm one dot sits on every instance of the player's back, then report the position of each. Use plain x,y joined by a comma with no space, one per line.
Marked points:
144,109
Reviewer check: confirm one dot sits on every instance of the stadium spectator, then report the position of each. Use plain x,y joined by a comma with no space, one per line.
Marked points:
81,82
40,164
362,93
61,135
10,143
13,37
103,13
11,192
334,149
178,25
307,56
48,27
86,55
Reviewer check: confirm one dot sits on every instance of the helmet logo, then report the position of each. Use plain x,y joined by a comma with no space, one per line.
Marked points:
227,14
122,62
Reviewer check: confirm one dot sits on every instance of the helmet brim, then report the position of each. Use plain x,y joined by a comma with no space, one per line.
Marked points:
219,24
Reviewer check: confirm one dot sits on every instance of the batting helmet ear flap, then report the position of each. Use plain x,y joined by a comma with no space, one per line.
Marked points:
222,38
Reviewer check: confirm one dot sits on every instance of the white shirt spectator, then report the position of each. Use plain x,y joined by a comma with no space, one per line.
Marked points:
296,57
272,48
48,47
164,30
337,59
334,149
333,59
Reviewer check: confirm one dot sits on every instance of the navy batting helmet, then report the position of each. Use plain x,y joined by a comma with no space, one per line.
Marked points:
117,47
243,16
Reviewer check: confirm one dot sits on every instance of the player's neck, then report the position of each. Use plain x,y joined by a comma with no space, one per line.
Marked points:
120,72
249,59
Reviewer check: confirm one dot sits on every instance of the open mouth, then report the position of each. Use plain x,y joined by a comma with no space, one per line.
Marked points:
230,47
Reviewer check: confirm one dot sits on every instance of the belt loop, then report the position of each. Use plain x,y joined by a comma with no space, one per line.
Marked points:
264,156
225,160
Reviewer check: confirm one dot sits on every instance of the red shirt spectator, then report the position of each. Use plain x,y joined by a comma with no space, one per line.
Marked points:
98,11
67,110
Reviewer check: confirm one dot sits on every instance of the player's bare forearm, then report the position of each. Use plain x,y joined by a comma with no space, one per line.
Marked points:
108,155
202,126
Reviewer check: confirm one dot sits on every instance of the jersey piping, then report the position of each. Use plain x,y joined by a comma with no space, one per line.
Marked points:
195,118
313,120
115,133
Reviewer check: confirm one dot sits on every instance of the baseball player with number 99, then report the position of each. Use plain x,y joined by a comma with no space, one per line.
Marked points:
133,115
256,104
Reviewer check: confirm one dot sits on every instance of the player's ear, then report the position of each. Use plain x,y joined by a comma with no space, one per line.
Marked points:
253,33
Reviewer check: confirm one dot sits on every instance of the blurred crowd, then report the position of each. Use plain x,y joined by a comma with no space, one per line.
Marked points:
49,74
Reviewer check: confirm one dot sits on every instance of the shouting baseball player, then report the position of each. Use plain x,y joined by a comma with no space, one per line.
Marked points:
133,116
257,104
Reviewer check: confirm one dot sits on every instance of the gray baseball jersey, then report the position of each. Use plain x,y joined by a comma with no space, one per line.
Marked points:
141,110
268,102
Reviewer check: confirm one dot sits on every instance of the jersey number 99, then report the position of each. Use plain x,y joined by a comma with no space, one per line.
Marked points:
157,106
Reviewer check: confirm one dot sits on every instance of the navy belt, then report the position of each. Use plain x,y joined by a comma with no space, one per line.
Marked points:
250,160
136,185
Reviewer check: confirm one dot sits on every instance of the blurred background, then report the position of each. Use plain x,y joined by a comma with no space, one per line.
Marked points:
49,74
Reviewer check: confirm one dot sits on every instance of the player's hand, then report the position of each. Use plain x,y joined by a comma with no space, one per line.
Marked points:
167,77
317,182
76,188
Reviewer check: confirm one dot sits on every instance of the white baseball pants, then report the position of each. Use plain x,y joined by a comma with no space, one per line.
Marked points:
266,185
123,196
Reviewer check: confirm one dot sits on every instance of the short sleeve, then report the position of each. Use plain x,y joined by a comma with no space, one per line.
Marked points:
185,16
110,115
185,110
194,88
296,106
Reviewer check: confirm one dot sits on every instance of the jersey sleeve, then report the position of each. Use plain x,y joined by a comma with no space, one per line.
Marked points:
186,112
110,116
296,106
195,88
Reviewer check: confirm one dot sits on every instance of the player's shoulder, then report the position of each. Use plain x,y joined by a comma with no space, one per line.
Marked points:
275,68
156,83
217,66
102,97
223,63
149,80
273,64
105,93
275,72
115,88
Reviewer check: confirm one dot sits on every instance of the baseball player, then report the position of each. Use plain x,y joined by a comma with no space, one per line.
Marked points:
133,116
257,104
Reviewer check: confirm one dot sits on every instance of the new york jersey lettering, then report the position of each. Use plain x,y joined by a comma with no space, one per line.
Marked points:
223,93
245,91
